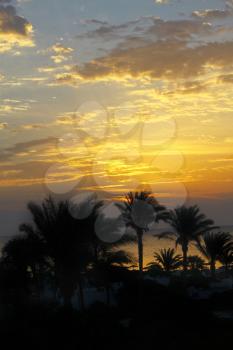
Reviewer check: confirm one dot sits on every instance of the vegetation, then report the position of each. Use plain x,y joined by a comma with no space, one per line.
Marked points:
196,263
58,252
188,224
167,260
140,210
217,247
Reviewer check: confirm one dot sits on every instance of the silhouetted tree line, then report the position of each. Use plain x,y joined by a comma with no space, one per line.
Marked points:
59,250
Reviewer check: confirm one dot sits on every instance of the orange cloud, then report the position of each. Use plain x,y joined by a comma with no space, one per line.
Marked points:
15,31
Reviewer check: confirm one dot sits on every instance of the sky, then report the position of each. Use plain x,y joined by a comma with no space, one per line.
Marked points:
110,96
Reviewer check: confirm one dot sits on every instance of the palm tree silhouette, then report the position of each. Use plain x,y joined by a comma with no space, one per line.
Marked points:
187,224
23,259
226,258
15,283
139,210
106,257
66,242
26,251
108,261
195,262
214,247
167,259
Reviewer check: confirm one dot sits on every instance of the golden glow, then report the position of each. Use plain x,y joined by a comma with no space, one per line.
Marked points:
127,116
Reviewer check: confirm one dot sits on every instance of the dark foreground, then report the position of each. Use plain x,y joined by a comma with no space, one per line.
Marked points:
165,317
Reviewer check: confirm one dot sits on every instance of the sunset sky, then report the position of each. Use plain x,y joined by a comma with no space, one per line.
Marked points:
105,96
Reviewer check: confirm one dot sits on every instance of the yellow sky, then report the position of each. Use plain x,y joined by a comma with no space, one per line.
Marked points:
104,99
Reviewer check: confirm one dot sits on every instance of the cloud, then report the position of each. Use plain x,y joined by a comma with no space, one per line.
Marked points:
22,147
3,126
150,48
162,59
94,21
60,49
229,3
15,31
210,14
161,1
60,52
188,87
67,119
226,78
9,105
106,31
179,29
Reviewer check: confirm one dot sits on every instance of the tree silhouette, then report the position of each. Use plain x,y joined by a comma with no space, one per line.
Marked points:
15,283
187,224
106,254
139,210
195,262
226,258
28,253
167,259
67,243
214,247
108,261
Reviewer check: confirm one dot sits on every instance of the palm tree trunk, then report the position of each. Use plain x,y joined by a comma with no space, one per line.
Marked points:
35,281
185,256
140,253
140,265
95,253
212,268
81,295
108,297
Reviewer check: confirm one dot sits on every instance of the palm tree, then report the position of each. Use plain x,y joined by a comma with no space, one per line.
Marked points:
66,242
187,224
139,210
15,283
167,260
195,262
106,258
89,207
27,252
226,258
214,247
108,261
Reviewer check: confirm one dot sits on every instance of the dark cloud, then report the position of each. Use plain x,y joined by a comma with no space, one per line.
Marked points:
29,170
180,29
150,27
10,22
8,153
107,31
95,22
158,49
15,30
162,59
